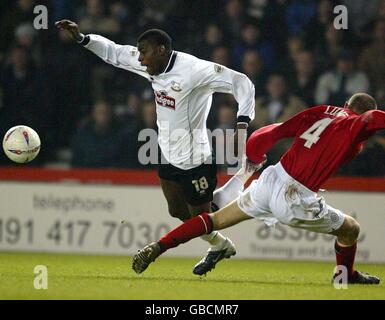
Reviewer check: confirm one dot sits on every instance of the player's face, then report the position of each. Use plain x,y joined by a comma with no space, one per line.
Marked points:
149,57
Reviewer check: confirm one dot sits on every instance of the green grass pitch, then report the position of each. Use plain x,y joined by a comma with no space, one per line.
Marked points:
111,277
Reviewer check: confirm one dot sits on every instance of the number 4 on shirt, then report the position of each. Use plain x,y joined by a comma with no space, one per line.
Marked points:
312,135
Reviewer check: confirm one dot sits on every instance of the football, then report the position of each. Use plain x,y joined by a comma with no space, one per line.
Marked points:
21,144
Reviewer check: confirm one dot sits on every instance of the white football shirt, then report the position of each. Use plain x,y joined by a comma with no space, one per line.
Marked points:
183,96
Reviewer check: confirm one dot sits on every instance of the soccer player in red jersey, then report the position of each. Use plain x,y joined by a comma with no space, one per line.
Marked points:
325,137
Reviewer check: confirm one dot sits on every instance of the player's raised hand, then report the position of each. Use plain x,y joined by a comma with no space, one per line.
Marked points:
71,27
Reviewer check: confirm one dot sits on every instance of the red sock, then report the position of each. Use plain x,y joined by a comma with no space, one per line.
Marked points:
345,256
190,229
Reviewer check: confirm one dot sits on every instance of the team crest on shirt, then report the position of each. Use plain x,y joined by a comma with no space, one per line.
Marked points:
217,68
175,86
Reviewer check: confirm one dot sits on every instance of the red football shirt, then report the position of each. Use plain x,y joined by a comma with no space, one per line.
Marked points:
326,137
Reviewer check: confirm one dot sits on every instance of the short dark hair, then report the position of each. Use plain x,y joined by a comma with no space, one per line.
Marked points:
362,102
158,37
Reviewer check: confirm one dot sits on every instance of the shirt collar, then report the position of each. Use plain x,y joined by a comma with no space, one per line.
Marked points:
170,63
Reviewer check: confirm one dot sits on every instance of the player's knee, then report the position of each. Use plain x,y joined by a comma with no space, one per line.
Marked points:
353,230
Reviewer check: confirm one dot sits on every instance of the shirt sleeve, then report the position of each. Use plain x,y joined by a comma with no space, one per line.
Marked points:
121,56
374,120
218,78
367,124
263,139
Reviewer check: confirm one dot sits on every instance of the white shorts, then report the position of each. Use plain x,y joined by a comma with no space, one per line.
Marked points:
276,196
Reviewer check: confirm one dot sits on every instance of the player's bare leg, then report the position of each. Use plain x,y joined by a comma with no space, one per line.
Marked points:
176,200
345,248
192,228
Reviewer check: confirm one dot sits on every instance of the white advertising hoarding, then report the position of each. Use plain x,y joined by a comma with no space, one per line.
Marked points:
48,217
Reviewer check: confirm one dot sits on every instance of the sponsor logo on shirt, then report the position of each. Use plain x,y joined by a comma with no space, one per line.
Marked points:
163,100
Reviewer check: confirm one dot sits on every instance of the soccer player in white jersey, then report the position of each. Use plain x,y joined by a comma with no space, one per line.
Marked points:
183,87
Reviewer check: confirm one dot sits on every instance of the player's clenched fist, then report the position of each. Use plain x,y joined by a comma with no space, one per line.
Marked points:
71,27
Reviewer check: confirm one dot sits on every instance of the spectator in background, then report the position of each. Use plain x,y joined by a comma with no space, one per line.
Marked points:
305,80
226,119
96,21
274,10
336,86
22,101
380,14
68,95
294,45
146,120
234,18
360,13
221,55
62,9
372,61
257,8
212,38
20,12
158,13
129,112
251,39
380,10
98,142
328,49
278,105
25,36
316,28
298,14
21,104
121,13
252,66
226,116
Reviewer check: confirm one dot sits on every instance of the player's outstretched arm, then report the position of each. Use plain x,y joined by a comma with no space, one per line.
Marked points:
121,56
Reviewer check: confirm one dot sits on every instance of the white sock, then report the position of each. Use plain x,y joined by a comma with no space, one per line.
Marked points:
244,175
216,240
230,191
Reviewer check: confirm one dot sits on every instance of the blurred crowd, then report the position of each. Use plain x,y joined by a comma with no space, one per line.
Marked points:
88,113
